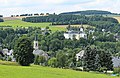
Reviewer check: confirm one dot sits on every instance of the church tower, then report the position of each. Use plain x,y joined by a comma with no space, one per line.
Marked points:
81,28
36,42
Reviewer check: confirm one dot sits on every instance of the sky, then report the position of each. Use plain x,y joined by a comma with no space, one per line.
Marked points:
14,7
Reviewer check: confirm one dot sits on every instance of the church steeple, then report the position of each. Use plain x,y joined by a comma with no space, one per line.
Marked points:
36,37
36,42
81,27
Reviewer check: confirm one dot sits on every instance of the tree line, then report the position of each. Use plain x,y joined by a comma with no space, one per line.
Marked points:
100,22
89,12
66,19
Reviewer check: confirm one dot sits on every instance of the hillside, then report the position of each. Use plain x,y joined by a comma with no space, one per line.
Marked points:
44,72
118,18
88,12
15,22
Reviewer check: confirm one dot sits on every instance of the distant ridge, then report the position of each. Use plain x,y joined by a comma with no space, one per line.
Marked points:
89,12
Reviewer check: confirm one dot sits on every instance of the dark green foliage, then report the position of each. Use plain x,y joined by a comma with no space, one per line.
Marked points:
89,59
61,58
1,20
89,12
1,15
69,19
97,60
24,51
106,60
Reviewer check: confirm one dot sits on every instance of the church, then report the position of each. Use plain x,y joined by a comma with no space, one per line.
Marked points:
37,51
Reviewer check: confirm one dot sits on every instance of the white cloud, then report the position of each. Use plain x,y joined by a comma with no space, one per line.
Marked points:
8,7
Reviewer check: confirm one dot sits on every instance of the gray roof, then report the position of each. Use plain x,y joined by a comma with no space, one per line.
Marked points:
116,61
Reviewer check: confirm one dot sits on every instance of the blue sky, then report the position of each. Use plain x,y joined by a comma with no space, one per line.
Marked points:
9,7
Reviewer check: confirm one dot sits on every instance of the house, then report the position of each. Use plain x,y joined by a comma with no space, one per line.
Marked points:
71,34
116,61
37,51
80,55
8,54
5,51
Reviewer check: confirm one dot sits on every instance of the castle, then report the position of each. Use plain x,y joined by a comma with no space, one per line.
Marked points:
70,34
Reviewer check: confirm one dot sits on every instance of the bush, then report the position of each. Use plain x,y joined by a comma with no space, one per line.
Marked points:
40,60
116,70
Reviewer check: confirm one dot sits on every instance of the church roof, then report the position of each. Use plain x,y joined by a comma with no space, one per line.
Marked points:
39,52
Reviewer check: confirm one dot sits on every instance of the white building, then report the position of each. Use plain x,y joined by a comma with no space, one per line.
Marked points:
80,55
5,51
8,54
75,34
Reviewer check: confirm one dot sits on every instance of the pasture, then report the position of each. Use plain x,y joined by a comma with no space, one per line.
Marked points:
45,72
19,23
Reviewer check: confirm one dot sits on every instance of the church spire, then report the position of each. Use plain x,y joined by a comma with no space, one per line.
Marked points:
81,27
36,36
36,42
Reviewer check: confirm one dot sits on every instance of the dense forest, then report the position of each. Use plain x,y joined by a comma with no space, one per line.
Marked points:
89,12
1,20
66,19
52,42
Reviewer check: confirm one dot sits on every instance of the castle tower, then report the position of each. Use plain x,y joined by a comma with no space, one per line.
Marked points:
35,46
81,28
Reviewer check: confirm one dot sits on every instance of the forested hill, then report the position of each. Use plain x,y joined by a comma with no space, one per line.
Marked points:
89,12
1,20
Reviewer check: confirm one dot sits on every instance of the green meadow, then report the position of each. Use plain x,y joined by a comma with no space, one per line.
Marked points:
44,72
20,23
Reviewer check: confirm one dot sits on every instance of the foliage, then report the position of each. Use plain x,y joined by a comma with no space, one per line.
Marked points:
53,62
61,58
95,59
23,51
89,12
89,59
116,70
39,60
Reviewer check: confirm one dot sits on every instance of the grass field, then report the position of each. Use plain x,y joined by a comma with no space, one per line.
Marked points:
44,72
19,23
118,18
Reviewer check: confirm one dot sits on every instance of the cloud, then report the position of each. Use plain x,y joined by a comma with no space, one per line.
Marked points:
8,7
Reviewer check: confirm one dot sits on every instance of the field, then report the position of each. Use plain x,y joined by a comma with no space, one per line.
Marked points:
44,72
18,23
118,18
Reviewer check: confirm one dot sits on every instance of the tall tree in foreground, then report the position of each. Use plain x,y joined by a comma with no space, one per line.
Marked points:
106,60
89,58
23,51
